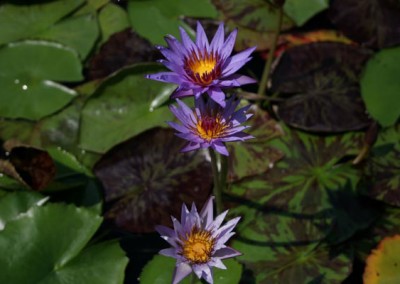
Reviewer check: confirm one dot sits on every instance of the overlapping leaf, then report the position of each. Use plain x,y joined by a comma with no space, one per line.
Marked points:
27,74
146,179
301,11
166,16
285,248
122,107
380,88
372,23
22,21
46,246
257,20
382,169
255,156
319,84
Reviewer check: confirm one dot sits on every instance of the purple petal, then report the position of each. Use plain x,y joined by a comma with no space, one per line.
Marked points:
172,66
201,38
218,40
170,252
178,127
191,137
241,136
216,262
218,221
227,228
220,148
175,45
181,271
237,61
217,96
236,80
184,213
203,271
228,45
168,77
180,93
190,147
187,41
207,212
226,252
171,55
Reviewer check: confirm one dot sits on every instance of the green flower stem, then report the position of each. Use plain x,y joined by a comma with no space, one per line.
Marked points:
217,181
267,68
224,172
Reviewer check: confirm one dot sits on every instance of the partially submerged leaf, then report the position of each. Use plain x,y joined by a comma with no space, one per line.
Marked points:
146,179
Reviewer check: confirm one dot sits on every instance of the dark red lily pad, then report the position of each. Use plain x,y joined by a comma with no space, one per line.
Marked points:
122,49
319,85
255,156
373,23
31,166
146,179
382,169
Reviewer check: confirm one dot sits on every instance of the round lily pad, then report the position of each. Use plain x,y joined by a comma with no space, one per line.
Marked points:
146,179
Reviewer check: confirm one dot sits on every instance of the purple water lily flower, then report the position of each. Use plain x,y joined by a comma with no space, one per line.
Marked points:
210,125
198,242
199,67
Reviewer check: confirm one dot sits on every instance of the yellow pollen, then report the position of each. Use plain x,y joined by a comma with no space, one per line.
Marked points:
197,246
210,128
203,66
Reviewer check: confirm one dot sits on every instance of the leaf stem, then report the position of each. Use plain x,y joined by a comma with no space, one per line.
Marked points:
217,181
267,67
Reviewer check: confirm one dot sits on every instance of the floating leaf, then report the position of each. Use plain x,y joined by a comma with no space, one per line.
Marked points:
46,246
79,33
285,248
123,107
165,16
113,19
27,71
301,11
255,156
91,6
372,23
12,205
382,170
383,263
379,86
257,20
304,179
146,179
23,21
33,167
319,84
122,49
160,270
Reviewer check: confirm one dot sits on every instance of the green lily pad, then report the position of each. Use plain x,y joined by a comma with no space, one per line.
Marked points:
47,246
122,107
301,11
372,23
255,156
257,20
319,85
23,21
146,179
91,6
112,19
27,74
382,169
380,88
166,16
14,204
80,33
160,270
285,248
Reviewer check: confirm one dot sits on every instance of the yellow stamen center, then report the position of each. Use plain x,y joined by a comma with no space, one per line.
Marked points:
210,128
202,68
197,246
